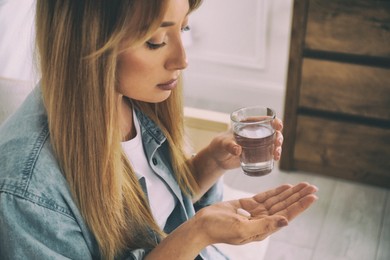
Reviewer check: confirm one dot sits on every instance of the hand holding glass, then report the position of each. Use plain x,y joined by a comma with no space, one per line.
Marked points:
253,131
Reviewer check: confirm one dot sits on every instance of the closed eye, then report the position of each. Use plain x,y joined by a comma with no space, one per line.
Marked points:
154,46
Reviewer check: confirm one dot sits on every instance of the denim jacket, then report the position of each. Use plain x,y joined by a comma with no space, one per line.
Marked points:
38,217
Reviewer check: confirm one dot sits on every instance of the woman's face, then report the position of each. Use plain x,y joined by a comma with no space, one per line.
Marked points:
150,71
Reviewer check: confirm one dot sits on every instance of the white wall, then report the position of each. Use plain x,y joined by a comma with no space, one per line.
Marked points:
17,72
16,37
238,54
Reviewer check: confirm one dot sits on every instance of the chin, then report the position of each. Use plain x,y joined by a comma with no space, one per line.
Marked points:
159,98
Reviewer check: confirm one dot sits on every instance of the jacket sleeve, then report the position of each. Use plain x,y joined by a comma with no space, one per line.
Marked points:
31,231
213,195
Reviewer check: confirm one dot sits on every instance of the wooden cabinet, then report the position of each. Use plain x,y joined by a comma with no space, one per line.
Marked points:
337,107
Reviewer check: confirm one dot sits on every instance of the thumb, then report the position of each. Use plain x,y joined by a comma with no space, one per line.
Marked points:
234,148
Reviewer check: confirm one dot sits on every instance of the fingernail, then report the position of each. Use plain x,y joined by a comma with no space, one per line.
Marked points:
282,222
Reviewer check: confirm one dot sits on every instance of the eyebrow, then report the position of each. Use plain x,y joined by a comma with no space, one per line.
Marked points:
167,24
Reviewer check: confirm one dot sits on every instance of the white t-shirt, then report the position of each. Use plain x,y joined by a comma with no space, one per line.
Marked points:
161,199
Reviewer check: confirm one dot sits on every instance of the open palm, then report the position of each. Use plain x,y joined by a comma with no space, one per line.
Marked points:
269,211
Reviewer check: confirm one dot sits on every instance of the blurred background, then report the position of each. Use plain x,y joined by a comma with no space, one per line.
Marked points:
238,53
323,65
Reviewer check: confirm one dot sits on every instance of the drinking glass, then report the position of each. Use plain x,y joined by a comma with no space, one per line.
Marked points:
253,131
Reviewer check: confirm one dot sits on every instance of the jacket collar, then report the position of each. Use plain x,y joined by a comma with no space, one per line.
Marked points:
150,126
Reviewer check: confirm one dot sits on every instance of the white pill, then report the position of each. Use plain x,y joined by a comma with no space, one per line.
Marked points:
243,212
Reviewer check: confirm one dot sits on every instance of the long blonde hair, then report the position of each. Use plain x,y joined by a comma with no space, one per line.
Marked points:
78,45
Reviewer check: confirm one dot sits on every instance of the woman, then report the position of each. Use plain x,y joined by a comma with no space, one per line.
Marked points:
93,163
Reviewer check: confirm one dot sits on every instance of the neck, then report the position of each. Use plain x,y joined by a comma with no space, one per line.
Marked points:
126,119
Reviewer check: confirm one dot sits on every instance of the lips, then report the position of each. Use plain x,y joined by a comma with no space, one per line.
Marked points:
168,85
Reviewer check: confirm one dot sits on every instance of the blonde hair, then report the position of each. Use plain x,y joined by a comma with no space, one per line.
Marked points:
78,45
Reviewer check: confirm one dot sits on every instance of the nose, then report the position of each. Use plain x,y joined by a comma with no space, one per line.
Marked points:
177,59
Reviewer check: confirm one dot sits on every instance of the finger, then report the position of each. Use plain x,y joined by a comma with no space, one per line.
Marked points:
234,148
277,124
277,153
223,146
271,201
285,203
278,138
229,144
298,207
261,197
248,204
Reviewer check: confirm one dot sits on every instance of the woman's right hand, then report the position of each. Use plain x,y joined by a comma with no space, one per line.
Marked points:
220,223
270,210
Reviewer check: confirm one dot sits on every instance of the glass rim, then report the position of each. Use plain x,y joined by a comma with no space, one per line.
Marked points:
233,115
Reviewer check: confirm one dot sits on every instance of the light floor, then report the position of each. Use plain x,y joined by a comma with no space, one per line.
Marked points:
349,221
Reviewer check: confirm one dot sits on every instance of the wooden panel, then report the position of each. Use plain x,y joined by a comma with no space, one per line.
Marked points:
293,82
346,88
346,150
349,26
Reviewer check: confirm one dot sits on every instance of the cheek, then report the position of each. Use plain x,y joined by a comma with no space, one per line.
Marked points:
128,65
138,77
138,63
132,72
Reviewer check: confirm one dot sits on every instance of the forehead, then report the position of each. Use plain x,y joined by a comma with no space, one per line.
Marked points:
176,10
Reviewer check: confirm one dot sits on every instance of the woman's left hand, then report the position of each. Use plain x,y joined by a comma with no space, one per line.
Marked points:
226,152
223,153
